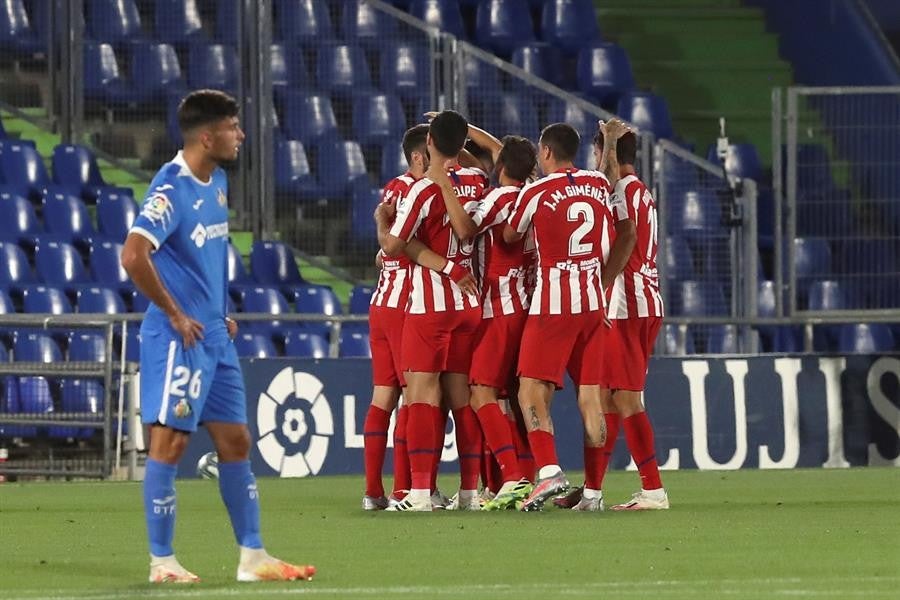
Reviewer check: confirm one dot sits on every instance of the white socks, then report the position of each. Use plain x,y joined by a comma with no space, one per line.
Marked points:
548,471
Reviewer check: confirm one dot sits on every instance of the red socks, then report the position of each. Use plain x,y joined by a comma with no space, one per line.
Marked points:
401,457
523,450
499,439
420,443
439,415
596,460
639,435
375,433
468,443
543,447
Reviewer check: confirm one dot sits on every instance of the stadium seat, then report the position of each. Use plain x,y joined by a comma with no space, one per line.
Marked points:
4,358
722,339
866,338
393,163
66,217
377,118
76,166
541,60
254,345
228,19
812,257
360,296
858,256
647,112
506,114
360,22
100,300
698,215
268,300
115,21
354,345
342,69
35,397
604,72
305,345
679,262
36,347
362,224
116,212
23,168
58,263
139,302
569,24
309,119
741,161
405,69
563,111
156,72
14,268
132,343
501,25
83,396
178,21
699,299
442,14
16,32
671,338
87,347
274,264
18,223
826,296
41,299
213,66
6,304
480,77
318,300
236,272
303,20
103,80
346,170
289,70
9,404
292,173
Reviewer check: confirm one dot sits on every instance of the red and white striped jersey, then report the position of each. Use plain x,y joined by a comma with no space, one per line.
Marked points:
569,215
503,268
635,292
422,214
392,290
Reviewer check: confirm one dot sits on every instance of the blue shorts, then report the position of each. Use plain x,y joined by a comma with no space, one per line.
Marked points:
181,388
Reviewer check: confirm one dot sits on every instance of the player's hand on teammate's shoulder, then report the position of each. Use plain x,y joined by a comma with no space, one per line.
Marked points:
437,172
467,285
385,211
189,329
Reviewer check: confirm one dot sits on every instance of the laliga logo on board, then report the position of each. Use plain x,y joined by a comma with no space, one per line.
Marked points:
294,423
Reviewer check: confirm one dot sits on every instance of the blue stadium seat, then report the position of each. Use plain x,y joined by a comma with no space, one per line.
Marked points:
342,69
569,24
87,347
115,21
318,300
289,70
480,77
354,344
58,263
41,299
178,21
562,111
139,302
236,272
116,212
213,66
9,404
156,72
698,215
604,71
16,32
100,300
83,396
18,223
306,345
541,60
360,22
647,111
274,264
679,262
699,298
722,339
360,296
506,114
827,296
267,300
671,338
405,69
377,118
393,163
66,217
228,19
501,25
812,257
4,358
254,345
346,170
14,268
76,166
303,20
34,397
132,344
813,168
103,80
741,161
292,173
443,14
23,168
862,255
362,223
866,338
36,347
309,119
6,304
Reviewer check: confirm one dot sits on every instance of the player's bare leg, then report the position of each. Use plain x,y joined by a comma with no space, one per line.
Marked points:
535,397
166,447
639,436
455,388
237,485
424,397
375,431
495,425
590,404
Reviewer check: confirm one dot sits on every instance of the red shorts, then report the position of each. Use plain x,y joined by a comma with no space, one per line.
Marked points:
626,353
439,342
553,344
385,335
497,350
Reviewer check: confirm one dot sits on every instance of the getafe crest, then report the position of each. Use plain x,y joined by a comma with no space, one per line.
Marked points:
220,196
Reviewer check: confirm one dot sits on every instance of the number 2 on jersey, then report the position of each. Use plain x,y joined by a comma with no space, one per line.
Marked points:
577,246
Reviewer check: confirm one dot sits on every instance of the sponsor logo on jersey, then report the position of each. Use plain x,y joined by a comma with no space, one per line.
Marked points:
201,234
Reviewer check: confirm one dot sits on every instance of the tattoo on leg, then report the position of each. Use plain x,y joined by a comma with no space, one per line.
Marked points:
535,421
602,430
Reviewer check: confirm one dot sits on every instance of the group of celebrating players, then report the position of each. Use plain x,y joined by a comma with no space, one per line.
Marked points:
487,296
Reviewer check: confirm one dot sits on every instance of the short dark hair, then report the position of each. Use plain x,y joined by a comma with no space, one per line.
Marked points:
204,107
518,157
414,140
449,131
562,139
626,147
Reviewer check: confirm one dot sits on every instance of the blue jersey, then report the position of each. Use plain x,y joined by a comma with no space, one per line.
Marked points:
186,220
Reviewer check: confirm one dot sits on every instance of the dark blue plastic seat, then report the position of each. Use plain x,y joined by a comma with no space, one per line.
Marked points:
393,163
442,14
742,161
16,32
42,299
569,24
506,114
236,273
36,347
18,222
671,338
647,111
362,223
35,398
346,169
289,70
604,71
342,69
268,300
867,338
14,268
561,111
155,72
66,217
361,23
273,264
83,396
541,60
100,300
480,77
254,345
309,118
303,20
76,166
178,21
502,25
213,66
87,347
22,167
9,404
700,298
292,173
722,339
318,300
116,212
377,118
354,344
827,296
405,69
812,257
228,19
679,262
103,79
115,21
360,296
59,263
306,345
698,215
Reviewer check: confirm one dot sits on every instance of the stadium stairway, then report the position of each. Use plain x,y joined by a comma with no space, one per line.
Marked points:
709,58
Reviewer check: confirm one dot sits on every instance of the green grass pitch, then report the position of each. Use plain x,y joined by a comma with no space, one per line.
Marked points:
736,534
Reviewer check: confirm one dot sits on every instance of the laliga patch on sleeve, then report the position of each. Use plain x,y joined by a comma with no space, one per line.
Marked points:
157,208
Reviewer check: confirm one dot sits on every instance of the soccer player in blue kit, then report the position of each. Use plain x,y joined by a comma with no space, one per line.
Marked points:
176,254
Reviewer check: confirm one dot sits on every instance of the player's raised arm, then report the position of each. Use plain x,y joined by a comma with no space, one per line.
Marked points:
610,132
